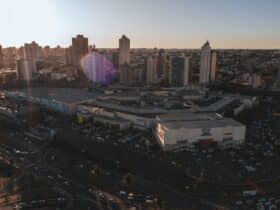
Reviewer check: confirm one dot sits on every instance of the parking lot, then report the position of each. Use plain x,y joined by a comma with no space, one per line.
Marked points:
87,163
255,160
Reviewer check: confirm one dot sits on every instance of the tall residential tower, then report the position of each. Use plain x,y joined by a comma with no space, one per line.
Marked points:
78,50
124,58
208,62
205,63
180,69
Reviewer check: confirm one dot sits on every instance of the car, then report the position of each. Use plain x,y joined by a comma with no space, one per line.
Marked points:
149,202
123,193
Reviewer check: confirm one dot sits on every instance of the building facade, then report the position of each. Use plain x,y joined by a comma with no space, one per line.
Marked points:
9,57
1,57
205,64
124,59
181,131
25,69
78,50
180,68
151,70
213,68
32,51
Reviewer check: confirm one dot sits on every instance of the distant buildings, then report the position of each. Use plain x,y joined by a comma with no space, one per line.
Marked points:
180,69
9,57
58,51
77,51
177,70
25,69
7,75
151,74
124,50
276,84
32,51
124,59
208,62
46,51
157,68
213,68
26,64
62,100
1,57
137,74
69,56
115,59
163,65
255,80
133,67
125,74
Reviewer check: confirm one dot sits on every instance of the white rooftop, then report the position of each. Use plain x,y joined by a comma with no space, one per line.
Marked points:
194,120
187,116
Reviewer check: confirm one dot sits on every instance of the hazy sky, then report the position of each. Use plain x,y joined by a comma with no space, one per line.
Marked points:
148,23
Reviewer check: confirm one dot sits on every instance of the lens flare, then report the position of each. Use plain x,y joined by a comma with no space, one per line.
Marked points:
98,68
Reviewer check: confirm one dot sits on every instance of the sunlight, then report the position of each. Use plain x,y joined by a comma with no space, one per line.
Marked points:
40,17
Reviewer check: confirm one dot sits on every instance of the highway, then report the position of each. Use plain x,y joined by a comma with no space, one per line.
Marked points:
39,167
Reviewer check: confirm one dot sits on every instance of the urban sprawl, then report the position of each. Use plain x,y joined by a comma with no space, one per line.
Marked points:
83,127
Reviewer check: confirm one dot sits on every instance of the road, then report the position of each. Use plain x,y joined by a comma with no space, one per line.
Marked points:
34,163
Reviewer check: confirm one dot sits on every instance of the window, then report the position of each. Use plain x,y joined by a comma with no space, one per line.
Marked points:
182,142
206,132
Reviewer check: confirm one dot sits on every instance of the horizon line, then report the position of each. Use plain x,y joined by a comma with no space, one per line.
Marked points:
148,48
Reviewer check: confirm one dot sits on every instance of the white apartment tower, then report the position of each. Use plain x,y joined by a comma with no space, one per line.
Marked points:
205,63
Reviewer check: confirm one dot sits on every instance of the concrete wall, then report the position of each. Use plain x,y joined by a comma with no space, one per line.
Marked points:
234,134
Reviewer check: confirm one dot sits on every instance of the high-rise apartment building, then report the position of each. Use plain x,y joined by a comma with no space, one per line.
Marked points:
30,54
180,69
157,68
32,51
9,57
79,50
208,65
124,50
205,64
124,58
162,64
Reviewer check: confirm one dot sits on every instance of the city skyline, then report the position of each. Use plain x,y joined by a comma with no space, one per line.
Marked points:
140,104
161,24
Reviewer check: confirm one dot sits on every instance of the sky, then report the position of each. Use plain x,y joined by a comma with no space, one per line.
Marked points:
148,23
